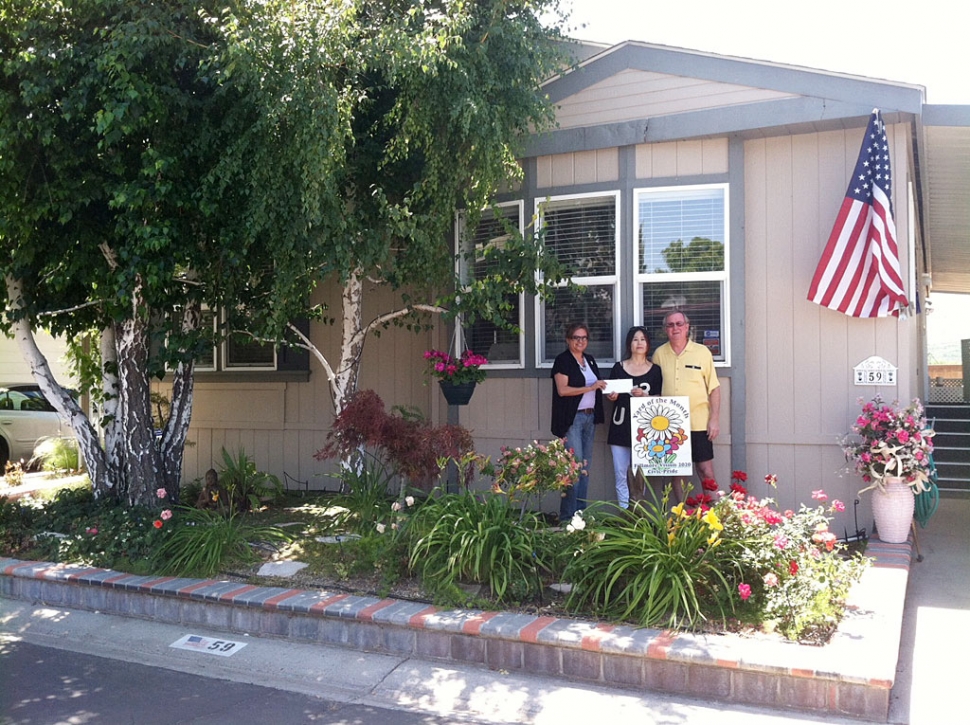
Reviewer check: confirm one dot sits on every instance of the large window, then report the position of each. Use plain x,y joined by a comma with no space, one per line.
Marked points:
503,347
583,232
681,252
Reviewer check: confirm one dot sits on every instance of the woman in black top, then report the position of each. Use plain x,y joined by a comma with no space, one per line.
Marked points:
647,380
577,406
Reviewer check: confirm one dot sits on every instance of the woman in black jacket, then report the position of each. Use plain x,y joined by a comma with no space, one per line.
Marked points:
577,406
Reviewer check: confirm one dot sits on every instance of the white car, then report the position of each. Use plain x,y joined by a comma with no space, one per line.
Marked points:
26,417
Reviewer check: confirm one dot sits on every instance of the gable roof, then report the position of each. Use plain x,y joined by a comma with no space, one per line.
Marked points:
635,92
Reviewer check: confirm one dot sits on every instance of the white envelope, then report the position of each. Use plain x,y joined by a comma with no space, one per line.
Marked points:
622,385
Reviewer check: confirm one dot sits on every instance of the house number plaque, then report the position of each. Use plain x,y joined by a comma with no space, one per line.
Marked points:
875,371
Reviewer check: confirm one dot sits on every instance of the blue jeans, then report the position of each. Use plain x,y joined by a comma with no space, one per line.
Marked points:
622,457
579,437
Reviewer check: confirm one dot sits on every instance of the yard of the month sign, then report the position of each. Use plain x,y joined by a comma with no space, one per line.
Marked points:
875,371
208,645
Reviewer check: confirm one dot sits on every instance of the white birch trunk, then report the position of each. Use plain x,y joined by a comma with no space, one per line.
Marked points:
131,465
87,437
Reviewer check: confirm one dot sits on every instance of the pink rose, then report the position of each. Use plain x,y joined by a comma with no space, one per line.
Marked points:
744,591
166,514
820,495
161,493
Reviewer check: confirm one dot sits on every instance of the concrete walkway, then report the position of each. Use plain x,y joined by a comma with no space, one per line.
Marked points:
932,671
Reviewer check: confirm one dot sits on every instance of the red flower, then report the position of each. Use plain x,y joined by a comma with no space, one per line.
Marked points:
744,591
157,524
739,476
738,488
709,484
793,567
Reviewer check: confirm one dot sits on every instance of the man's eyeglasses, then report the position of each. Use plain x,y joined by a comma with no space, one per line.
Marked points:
669,325
579,338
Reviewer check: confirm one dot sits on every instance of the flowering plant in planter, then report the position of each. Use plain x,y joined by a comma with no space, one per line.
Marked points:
893,442
456,370
536,468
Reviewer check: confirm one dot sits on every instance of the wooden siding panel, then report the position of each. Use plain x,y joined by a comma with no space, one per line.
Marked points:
807,352
585,167
715,156
664,159
777,291
632,95
757,328
682,158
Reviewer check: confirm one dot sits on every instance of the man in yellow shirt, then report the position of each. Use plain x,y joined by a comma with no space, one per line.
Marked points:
688,369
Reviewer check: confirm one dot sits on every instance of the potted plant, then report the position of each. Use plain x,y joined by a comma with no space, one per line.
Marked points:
892,453
457,376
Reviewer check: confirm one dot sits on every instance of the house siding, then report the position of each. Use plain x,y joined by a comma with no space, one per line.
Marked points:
801,397
635,94
282,424
787,392
14,369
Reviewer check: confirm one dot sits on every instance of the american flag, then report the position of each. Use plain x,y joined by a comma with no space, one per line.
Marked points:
858,273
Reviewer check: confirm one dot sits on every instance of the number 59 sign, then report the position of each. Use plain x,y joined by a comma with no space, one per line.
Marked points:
875,371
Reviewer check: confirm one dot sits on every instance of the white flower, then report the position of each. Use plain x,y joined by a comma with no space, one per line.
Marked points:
409,500
380,528
396,506
577,524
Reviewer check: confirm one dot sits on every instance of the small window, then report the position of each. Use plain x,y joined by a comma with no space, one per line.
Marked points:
682,261
583,231
501,346
247,354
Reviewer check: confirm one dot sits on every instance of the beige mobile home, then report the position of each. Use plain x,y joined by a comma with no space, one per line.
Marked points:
748,162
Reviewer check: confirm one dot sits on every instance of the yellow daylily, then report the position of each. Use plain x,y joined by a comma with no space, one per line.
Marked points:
678,509
711,519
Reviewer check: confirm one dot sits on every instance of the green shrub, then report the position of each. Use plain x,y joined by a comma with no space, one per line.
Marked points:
247,487
57,455
465,537
365,499
794,574
200,542
651,569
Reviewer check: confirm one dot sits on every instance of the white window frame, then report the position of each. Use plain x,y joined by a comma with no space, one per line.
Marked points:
723,276
589,281
519,215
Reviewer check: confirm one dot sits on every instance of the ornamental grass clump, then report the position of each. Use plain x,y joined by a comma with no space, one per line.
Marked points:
891,442
655,568
475,538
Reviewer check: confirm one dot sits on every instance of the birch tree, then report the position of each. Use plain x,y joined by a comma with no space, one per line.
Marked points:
112,126
158,158
431,102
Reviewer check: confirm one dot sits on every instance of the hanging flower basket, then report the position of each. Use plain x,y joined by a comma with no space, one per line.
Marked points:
457,393
457,376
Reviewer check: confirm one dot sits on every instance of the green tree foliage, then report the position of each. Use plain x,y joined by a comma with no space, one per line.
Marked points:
158,157
699,255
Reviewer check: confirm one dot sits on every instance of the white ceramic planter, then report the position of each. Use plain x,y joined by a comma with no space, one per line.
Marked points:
893,511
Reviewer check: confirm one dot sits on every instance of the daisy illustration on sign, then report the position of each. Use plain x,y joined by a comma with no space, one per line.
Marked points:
661,435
